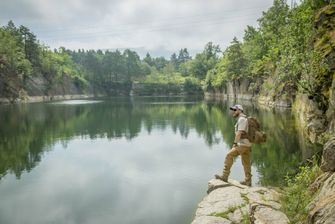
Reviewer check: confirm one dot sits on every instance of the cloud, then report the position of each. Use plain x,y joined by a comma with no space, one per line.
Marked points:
156,26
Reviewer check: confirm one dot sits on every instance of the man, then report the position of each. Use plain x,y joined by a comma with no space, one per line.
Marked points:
241,146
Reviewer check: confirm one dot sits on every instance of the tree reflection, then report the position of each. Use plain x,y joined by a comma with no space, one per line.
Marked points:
27,131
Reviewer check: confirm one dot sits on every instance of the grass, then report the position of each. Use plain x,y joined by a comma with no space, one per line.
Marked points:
225,213
297,195
245,218
244,197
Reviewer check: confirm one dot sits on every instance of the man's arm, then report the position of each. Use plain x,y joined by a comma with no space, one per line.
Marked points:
237,137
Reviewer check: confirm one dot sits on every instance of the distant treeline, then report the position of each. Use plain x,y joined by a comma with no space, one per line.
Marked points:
290,51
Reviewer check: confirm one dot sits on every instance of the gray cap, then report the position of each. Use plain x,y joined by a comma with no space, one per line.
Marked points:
237,107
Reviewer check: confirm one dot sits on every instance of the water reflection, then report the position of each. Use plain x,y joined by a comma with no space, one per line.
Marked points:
98,161
27,130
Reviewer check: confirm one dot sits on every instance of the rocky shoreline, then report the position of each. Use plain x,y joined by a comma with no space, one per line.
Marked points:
35,99
230,202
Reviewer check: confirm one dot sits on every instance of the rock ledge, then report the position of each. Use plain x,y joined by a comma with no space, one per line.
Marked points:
235,203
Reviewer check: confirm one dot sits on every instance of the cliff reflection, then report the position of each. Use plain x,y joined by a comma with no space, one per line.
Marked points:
27,131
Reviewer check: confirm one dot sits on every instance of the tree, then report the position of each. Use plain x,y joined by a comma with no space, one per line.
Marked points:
132,64
148,59
174,61
273,22
159,63
113,66
253,49
205,61
235,62
31,48
13,65
183,57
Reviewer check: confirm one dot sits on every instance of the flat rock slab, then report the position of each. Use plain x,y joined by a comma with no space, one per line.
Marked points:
231,202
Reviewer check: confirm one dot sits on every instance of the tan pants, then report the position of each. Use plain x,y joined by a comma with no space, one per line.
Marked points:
245,157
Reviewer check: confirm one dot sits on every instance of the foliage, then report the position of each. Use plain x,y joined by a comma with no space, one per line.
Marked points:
234,62
205,61
13,64
170,83
288,51
297,195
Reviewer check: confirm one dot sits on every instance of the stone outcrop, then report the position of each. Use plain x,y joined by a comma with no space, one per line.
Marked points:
322,208
165,89
250,89
328,156
240,89
235,203
310,118
331,109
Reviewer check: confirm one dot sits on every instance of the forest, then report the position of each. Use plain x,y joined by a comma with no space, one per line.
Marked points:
290,51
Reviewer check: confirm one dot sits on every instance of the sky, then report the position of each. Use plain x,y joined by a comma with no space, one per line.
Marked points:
154,26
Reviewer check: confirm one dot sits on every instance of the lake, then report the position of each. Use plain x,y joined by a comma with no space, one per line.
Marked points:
128,160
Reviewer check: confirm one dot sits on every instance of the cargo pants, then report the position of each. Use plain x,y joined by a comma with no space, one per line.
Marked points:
245,157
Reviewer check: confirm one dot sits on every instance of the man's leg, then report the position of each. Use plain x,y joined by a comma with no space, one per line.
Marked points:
229,161
245,157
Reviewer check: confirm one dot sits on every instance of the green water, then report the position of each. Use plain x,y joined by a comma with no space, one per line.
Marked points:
127,160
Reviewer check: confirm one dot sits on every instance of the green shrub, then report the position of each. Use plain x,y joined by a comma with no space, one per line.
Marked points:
297,194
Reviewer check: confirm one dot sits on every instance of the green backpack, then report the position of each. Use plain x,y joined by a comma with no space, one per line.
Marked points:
255,134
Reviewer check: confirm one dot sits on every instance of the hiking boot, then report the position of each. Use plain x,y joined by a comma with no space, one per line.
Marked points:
246,182
223,178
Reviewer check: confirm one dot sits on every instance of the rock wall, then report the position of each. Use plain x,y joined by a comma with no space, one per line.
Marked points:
162,89
38,86
322,208
309,118
238,89
331,109
250,89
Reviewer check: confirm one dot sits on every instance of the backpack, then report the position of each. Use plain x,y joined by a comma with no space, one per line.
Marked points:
255,134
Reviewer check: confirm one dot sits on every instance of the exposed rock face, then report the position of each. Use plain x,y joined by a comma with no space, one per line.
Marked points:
39,86
331,109
328,156
240,89
322,208
235,203
310,117
160,89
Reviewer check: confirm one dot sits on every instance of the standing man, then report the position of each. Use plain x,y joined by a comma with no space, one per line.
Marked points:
241,146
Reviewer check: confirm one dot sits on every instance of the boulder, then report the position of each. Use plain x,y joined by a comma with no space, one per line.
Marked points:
263,214
231,202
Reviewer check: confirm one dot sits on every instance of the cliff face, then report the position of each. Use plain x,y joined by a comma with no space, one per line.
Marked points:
39,86
41,89
160,89
322,208
251,89
317,113
331,109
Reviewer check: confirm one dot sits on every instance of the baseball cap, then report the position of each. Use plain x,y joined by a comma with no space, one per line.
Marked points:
237,107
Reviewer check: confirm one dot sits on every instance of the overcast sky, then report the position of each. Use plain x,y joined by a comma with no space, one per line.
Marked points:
155,26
